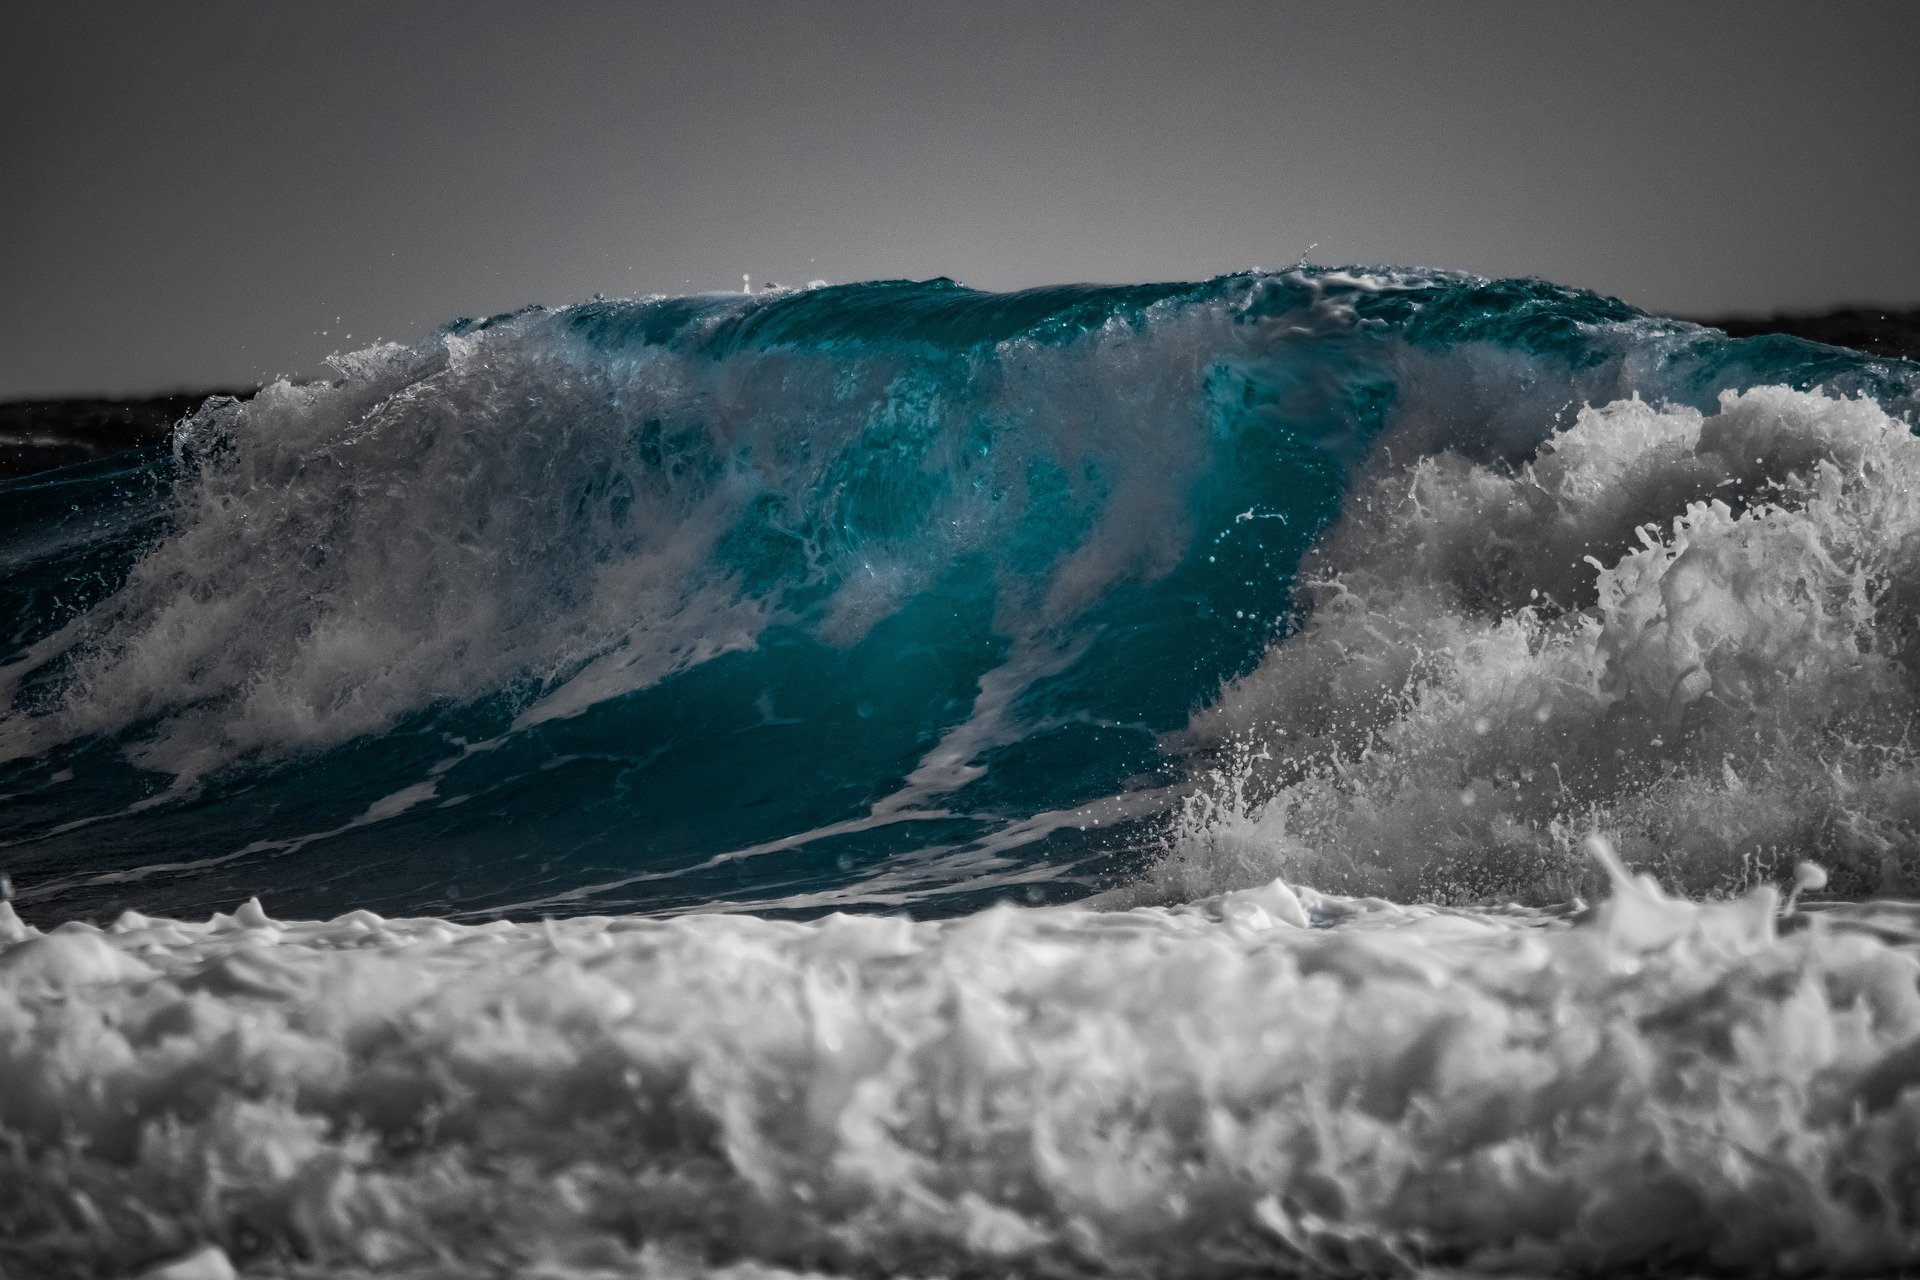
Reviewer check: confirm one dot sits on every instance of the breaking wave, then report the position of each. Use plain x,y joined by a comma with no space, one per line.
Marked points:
1237,692
904,595
1693,632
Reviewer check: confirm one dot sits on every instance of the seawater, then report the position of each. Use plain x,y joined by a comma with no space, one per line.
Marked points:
1296,773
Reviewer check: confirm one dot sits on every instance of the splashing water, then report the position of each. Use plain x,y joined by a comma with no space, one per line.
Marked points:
1693,631
903,595
1291,634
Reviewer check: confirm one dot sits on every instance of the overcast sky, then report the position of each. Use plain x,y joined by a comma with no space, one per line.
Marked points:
194,192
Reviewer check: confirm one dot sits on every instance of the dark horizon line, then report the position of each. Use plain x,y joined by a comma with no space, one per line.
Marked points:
1853,319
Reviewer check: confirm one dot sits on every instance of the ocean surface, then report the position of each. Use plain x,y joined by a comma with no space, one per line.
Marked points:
1329,772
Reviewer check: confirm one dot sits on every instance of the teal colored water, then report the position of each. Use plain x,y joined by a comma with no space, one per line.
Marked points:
881,596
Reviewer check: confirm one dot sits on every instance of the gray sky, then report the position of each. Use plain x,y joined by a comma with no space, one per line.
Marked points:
194,191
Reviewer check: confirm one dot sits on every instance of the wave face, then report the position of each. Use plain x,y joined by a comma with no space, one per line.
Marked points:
900,594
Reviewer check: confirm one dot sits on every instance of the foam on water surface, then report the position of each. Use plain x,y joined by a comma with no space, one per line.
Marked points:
1272,1080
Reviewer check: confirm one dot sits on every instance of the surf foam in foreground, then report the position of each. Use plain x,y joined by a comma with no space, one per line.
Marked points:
1271,1081
1236,621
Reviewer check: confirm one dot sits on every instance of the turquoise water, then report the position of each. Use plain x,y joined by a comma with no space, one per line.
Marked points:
888,595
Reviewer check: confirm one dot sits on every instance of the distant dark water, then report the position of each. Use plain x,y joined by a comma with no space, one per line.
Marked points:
1881,331
37,435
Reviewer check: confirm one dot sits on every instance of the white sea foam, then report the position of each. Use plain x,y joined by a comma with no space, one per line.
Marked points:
1696,632
1272,1080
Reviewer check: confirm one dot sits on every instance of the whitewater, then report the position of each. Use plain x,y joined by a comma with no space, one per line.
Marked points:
1328,772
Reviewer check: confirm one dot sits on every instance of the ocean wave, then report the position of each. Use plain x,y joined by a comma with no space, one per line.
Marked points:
1329,638
891,594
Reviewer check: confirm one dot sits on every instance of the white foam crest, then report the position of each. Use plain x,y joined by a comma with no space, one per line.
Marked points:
1272,1080
1695,632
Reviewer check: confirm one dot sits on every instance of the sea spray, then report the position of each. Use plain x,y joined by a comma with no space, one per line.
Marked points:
1695,631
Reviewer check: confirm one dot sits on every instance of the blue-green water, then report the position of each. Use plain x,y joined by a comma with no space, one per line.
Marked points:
890,595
